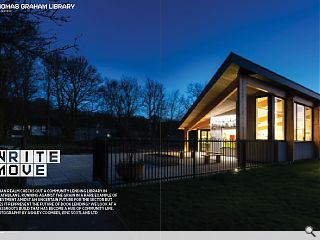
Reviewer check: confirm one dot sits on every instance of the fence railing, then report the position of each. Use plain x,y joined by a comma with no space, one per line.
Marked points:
123,162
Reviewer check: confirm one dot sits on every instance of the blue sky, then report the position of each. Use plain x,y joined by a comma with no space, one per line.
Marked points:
183,41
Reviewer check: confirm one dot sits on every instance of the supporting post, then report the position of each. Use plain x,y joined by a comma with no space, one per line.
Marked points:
242,108
186,139
290,128
98,159
271,117
241,119
316,129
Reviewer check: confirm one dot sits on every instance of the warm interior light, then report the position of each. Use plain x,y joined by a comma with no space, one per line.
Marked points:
279,119
262,118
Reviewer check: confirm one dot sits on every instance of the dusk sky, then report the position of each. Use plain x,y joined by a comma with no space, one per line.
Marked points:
183,41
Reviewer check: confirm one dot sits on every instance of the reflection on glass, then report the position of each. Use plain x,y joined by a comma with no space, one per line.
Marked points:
308,124
302,123
279,119
262,118
204,135
204,145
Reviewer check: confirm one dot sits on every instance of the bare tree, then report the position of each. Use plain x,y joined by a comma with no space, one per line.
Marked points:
81,82
113,98
21,41
154,103
122,97
153,98
173,106
75,90
130,91
193,92
52,75
20,31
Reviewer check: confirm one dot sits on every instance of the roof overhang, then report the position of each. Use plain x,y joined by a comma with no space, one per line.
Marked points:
226,76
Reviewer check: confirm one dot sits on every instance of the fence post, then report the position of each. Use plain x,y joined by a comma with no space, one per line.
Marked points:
244,157
193,157
275,149
242,154
95,160
106,161
99,157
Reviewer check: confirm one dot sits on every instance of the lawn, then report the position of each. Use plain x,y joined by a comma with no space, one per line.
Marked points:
282,197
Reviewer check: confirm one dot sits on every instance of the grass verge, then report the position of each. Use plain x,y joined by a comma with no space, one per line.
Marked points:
283,197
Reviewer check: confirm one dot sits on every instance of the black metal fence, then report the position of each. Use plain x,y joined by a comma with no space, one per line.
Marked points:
123,162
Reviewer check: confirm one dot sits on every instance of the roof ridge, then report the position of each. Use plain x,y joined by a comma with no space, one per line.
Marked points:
271,71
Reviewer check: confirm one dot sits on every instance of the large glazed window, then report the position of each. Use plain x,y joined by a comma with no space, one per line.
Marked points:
279,119
308,124
262,118
302,123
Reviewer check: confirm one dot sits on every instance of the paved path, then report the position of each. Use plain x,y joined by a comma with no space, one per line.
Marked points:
75,169
72,169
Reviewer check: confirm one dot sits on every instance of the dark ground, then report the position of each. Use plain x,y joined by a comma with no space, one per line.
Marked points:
106,221
283,197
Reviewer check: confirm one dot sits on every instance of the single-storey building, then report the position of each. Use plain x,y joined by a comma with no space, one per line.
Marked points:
247,102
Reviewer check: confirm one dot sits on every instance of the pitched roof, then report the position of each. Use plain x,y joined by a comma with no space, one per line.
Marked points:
253,68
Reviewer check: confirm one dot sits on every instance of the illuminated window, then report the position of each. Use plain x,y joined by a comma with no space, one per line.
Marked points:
279,119
308,124
300,117
262,118
302,123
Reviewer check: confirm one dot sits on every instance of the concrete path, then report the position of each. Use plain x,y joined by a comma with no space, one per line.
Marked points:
72,169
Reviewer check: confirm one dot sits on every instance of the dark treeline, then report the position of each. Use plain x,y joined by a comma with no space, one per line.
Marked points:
47,85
